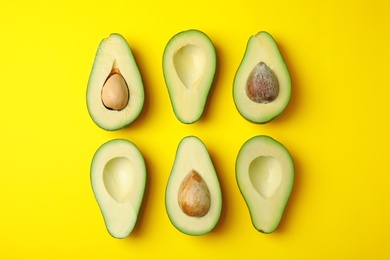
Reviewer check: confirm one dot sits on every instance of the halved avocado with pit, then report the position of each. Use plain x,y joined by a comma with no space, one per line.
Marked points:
115,92
189,65
262,84
265,177
118,179
193,197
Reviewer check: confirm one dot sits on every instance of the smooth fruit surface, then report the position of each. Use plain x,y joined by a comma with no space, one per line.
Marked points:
189,65
118,178
265,177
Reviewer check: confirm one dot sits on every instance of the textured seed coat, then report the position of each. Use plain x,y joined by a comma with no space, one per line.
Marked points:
262,85
194,195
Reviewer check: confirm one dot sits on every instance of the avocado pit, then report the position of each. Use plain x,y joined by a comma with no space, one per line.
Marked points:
262,84
194,195
115,92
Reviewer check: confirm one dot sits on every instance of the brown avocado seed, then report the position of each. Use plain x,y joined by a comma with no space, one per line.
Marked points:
262,84
194,195
115,93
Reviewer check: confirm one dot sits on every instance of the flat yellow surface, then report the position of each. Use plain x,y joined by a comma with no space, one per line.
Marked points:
336,127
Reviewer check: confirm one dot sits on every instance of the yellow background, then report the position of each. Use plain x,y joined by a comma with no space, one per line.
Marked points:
336,128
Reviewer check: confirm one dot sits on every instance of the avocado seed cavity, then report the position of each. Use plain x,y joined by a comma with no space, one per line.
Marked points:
262,85
194,195
265,174
115,93
189,64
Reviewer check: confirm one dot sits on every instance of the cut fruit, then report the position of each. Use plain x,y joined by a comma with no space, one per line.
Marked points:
262,84
193,196
189,64
265,177
118,178
115,92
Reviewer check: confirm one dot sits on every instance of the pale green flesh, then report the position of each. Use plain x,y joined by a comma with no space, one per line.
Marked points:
114,53
192,155
118,178
189,65
261,48
265,177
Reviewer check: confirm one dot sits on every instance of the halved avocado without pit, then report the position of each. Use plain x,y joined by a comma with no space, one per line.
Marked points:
118,178
262,84
265,177
189,65
115,91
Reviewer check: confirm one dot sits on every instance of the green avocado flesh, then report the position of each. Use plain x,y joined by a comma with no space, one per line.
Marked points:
115,92
193,196
262,84
118,178
189,65
265,177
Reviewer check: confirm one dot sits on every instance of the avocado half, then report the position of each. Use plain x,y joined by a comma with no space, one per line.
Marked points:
115,91
262,84
265,177
118,178
193,196
189,65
